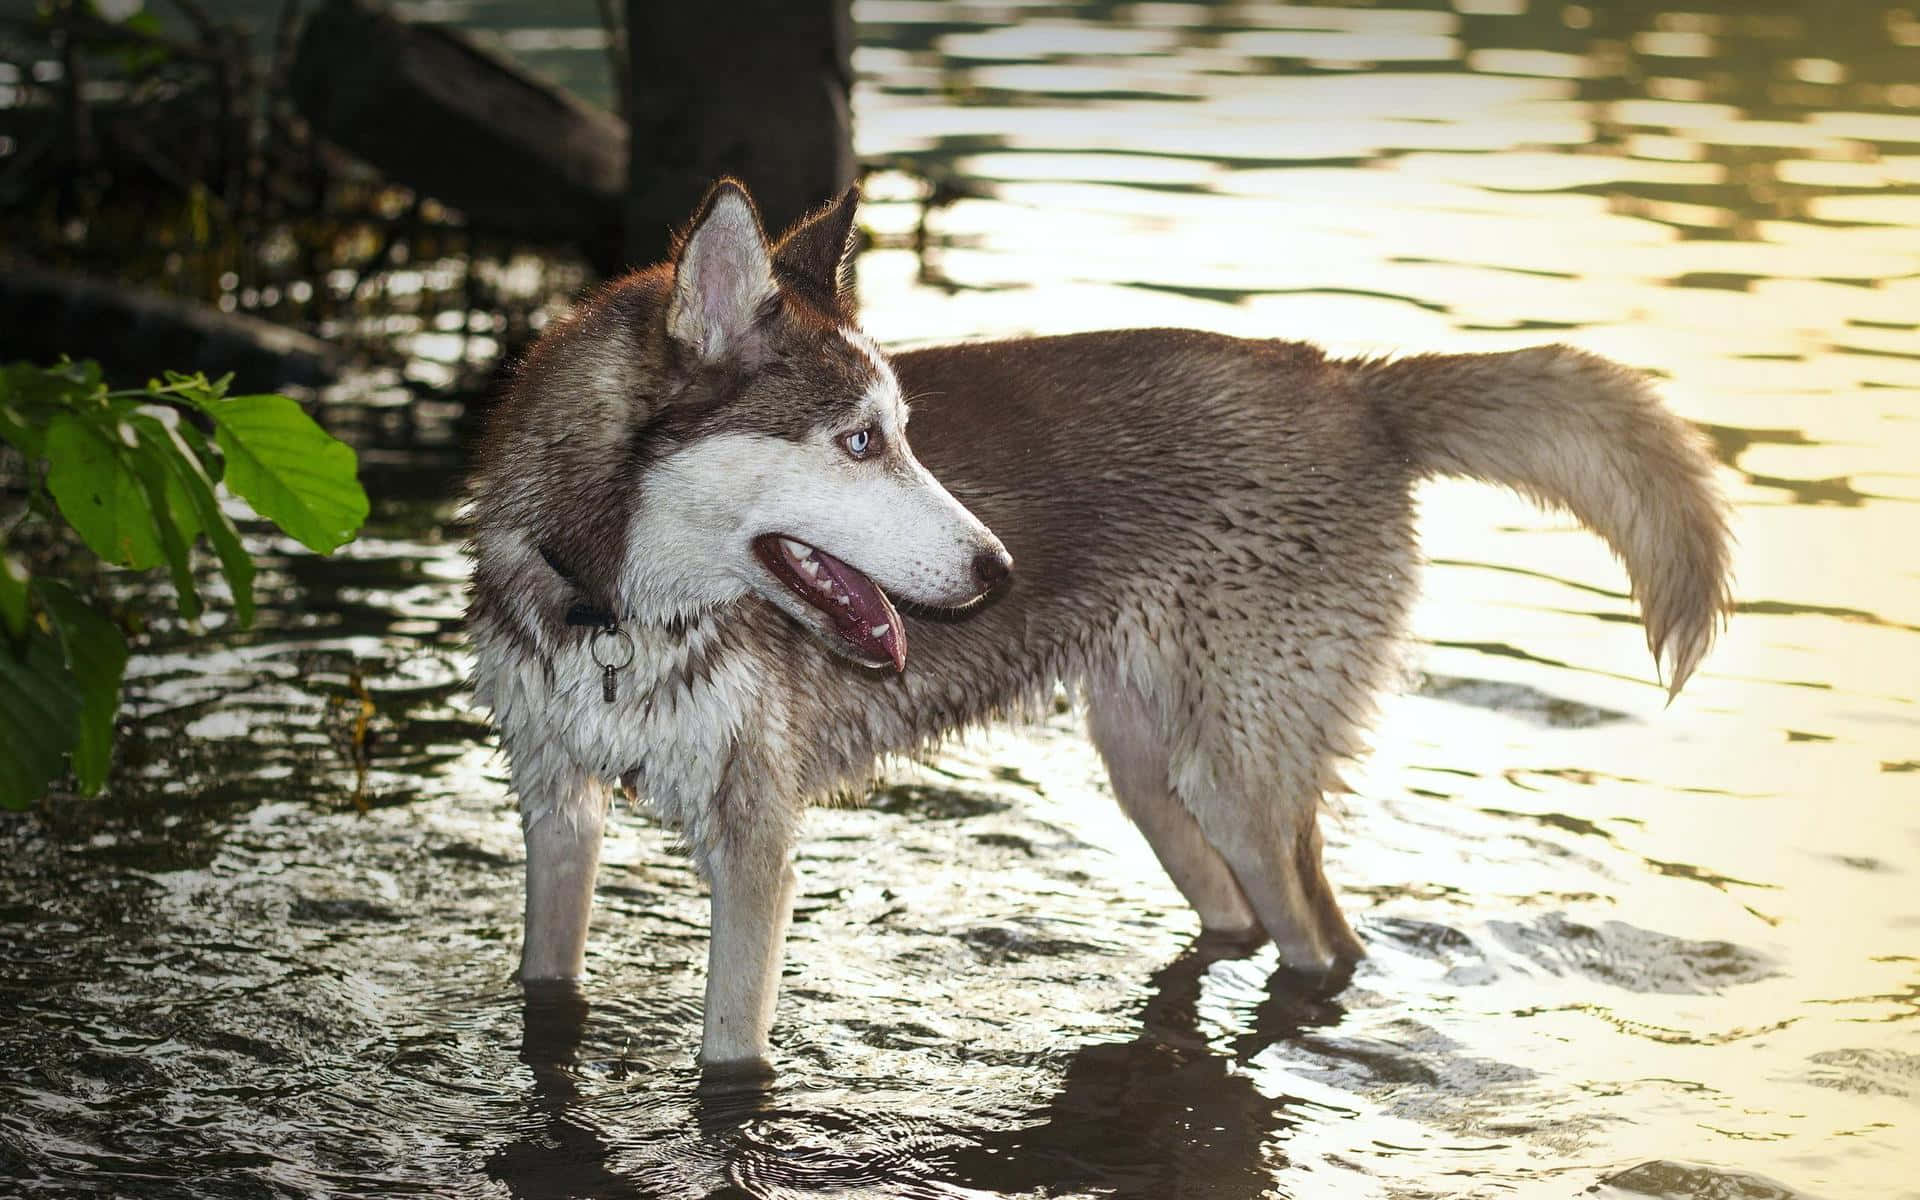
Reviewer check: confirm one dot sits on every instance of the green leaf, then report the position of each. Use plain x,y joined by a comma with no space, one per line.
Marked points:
18,428
292,472
13,595
119,493
39,712
137,57
202,449
151,466
100,493
96,658
30,397
195,387
190,493
82,377
17,432
179,507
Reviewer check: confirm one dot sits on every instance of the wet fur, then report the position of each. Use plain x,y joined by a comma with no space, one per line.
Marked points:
1214,543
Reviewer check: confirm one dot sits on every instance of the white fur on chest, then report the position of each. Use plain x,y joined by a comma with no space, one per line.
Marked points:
669,730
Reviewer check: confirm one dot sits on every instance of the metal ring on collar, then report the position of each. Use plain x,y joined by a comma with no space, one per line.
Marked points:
599,638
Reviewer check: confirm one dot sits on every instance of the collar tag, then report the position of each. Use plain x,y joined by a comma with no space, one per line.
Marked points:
607,643
612,651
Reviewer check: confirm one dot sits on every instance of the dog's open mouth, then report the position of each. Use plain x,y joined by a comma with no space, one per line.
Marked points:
859,612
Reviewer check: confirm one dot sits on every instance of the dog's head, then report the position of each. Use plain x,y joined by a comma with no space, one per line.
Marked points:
757,441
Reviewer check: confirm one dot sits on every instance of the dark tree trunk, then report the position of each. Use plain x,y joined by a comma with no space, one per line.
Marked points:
755,89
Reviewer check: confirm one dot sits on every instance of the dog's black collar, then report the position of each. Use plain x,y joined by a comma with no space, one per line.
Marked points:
586,614
609,644
581,612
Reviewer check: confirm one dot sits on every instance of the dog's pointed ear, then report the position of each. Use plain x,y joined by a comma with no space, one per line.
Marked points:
816,255
721,276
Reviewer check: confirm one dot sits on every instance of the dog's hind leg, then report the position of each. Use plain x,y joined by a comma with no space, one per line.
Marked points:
1131,736
1269,834
564,814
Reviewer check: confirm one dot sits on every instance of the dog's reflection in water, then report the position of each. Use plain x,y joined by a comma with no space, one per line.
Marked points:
559,1151
1163,1114
567,1145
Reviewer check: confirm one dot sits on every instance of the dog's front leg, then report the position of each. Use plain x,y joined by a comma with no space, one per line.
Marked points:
564,817
751,872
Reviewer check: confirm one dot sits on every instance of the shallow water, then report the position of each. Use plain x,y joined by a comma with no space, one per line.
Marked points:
1613,946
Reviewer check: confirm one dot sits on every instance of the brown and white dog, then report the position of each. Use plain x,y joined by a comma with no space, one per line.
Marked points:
714,564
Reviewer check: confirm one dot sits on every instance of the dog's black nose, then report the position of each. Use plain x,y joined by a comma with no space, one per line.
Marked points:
992,566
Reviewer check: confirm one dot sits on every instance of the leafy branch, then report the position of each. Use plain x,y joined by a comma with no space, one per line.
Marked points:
138,475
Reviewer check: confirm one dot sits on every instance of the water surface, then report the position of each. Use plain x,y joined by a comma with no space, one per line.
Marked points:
1614,946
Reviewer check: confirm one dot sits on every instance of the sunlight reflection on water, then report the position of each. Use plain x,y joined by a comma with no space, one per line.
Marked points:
1671,948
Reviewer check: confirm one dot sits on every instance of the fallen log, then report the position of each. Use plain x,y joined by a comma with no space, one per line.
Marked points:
137,334
436,113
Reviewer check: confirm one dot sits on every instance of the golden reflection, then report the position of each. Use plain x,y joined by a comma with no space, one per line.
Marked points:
1694,925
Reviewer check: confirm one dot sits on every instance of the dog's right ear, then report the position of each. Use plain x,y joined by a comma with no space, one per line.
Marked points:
721,277
816,255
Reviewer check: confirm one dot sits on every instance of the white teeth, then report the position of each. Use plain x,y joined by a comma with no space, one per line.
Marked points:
801,557
880,630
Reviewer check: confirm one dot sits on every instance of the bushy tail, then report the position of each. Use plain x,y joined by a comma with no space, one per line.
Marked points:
1574,431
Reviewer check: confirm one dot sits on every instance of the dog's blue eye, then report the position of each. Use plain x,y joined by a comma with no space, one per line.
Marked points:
859,443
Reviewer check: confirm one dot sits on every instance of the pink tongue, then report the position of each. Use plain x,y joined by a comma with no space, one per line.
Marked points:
869,611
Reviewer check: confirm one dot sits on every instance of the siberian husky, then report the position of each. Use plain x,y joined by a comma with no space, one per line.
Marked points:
728,553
